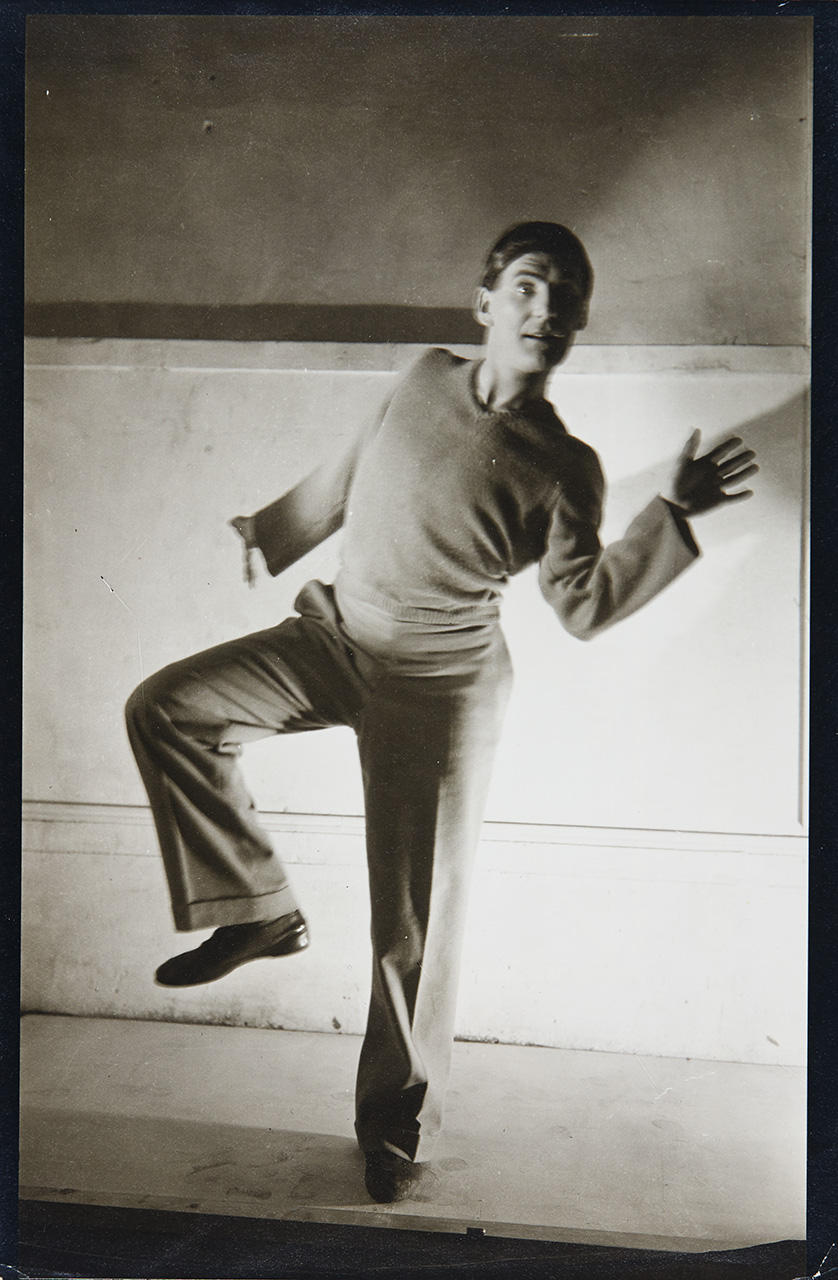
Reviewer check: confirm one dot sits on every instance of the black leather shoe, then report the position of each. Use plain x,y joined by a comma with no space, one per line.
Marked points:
232,945
389,1178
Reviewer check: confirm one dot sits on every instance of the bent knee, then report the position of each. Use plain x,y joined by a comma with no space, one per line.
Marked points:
137,705
147,700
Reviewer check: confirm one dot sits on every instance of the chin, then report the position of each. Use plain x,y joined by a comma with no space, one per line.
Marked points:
547,366
533,362
544,361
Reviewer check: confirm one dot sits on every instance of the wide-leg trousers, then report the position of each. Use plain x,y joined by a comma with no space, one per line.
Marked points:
426,744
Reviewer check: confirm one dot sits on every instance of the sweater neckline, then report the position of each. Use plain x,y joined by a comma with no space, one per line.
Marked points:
483,409
532,414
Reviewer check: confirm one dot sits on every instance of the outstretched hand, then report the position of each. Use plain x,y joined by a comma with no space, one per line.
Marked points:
243,525
700,484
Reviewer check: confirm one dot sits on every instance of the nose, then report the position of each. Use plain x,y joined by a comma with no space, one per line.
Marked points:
542,308
542,311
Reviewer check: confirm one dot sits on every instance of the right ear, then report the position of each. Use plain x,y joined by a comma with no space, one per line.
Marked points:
481,307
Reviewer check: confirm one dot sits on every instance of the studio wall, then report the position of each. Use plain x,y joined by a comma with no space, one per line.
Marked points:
240,230
192,166
647,794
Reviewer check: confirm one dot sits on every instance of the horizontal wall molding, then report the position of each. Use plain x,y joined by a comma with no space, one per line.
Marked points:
114,353
251,323
55,827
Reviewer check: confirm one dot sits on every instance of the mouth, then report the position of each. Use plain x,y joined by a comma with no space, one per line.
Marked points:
545,339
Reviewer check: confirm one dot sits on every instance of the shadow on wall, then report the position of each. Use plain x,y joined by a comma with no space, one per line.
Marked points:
774,437
651,724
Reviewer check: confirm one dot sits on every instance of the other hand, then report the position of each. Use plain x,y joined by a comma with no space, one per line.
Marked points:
243,525
700,484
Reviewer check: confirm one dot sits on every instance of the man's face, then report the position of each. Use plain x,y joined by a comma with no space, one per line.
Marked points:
532,314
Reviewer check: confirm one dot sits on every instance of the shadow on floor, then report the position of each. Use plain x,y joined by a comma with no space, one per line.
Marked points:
209,1166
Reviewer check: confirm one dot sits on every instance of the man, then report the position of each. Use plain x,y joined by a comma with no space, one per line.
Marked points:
465,477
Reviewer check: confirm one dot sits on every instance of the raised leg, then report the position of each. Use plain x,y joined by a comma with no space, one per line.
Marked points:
187,725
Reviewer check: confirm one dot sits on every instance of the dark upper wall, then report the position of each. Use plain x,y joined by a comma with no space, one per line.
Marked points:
183,163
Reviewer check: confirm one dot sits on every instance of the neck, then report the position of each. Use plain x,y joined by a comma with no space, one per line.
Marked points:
508,388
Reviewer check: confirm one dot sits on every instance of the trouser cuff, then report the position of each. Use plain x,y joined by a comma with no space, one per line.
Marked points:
221,911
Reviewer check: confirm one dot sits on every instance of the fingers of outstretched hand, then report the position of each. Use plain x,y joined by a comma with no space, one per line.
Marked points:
728,477
736,477
728,466
691,447
724,447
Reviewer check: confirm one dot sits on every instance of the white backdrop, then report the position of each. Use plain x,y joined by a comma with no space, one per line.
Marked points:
647,791
687,716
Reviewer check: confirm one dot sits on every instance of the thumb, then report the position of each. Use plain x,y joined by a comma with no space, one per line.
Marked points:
691,447
243,526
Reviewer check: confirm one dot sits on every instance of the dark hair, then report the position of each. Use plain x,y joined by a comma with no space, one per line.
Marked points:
538,237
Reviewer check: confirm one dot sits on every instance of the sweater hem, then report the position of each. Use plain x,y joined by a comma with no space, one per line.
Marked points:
454,615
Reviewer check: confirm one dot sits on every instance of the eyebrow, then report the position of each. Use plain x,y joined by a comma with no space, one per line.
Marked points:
538,271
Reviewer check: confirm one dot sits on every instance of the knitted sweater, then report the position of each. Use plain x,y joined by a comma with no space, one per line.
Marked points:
442,500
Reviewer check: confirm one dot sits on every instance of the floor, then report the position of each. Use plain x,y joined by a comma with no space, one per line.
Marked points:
540,1144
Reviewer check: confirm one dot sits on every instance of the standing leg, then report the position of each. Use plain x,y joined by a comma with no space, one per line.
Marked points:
187,725
427,745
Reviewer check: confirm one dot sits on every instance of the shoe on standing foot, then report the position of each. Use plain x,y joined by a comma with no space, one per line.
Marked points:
389,1178
232,945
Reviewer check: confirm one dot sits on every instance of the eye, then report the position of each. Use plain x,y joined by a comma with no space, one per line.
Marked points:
526,287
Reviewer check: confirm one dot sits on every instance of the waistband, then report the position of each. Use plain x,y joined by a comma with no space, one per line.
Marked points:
350,588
